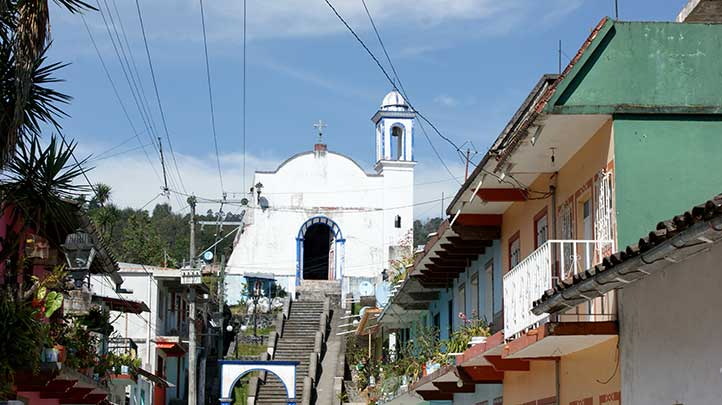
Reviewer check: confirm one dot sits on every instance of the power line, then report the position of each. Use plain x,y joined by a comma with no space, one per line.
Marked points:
244,96
96,159
157,93
393,83
354,190
117,94
210,96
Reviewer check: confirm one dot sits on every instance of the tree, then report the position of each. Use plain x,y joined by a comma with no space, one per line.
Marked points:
423,229
26,101
141,241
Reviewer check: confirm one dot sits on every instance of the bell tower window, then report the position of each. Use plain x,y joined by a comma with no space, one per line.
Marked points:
397,142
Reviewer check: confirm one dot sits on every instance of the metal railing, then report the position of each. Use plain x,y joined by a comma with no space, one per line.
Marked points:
122,346
528,280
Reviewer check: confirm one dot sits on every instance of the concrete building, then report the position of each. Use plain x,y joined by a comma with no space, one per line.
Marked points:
665,285
160,335
321,216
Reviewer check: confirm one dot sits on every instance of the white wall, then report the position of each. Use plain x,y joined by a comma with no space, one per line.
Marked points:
333,186
671,332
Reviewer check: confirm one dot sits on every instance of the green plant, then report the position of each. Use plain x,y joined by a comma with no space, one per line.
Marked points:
23,334
81,346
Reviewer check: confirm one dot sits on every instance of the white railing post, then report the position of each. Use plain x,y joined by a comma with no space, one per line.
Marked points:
528,280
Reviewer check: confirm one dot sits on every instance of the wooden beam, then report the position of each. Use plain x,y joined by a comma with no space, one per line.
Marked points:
450,386
451,255
479,219
424,296
456,262
475,233
508,364
435,268
435,395
483,374
502,194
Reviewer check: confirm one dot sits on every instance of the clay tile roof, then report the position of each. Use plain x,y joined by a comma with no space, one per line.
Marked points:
664,231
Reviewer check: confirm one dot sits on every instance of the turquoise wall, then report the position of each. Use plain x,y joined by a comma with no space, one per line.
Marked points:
643,64
664,165
477,266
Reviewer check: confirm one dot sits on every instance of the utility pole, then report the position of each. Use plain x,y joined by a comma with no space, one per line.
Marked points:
442,205
162,163
192,351
192,203
221,301
560,56
466,171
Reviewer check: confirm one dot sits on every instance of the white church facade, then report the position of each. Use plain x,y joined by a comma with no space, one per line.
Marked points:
321,216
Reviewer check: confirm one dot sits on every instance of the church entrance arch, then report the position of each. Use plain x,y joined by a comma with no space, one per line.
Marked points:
233,370
319,250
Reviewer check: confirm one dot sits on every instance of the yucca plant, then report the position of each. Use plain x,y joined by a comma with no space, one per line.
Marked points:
24,27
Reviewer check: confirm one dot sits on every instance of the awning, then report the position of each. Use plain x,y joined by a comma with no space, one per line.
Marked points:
173,349
158,381
122,304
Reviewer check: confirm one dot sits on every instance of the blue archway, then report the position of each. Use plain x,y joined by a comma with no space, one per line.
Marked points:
339,245
233,370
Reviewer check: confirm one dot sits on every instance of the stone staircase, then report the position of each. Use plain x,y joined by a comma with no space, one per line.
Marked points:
295,344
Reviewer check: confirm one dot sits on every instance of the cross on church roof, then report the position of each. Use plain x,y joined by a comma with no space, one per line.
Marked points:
320,125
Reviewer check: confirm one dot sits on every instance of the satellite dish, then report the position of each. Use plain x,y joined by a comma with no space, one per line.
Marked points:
244,201
207,256
366,289
382,294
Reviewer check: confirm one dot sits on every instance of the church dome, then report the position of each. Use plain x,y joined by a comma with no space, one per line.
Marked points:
394,101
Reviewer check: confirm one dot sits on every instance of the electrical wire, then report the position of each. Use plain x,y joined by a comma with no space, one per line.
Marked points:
157,94
393,83
117,95
210,96
243,180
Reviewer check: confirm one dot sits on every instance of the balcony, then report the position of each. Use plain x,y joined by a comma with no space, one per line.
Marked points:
554,260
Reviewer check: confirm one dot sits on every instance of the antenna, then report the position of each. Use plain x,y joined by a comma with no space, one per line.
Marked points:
560,56
162,163
616,9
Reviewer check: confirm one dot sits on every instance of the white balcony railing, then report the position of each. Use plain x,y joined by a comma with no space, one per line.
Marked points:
528,280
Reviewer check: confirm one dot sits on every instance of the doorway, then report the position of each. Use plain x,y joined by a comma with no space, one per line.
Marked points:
317,252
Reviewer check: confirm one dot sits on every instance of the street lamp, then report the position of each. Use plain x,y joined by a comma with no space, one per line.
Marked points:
79,252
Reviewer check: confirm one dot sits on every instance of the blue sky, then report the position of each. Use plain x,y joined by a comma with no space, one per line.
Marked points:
466,64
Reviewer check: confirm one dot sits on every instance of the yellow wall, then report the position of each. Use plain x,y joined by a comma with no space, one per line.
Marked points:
522,387
595,155
591,373
587,377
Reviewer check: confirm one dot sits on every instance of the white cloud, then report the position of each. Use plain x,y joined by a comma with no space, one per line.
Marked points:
446,100
134,183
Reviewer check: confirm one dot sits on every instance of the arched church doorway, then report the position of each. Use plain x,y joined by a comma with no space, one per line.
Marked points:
317,246
320,250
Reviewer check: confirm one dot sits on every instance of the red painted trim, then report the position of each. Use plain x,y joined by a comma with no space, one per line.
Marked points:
480,219
502,194
541,214
501,364
484,374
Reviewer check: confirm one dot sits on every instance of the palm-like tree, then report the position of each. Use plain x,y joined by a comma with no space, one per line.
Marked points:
26,101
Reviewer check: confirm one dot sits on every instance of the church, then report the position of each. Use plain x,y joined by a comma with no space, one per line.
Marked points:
321,216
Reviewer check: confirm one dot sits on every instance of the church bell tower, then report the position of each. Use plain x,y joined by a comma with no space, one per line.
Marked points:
395,162
394,130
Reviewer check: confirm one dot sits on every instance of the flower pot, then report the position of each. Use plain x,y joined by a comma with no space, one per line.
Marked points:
50,355
62,353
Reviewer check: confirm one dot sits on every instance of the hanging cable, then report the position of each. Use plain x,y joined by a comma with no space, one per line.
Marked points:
210,96
157,94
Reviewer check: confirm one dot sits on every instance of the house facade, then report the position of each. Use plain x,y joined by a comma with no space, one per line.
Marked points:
161,334
625,135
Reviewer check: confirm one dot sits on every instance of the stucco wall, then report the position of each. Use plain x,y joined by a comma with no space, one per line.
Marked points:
363,205
578,171
642,64
664,166
590,373
671,332
483,392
